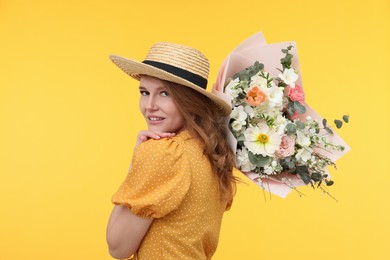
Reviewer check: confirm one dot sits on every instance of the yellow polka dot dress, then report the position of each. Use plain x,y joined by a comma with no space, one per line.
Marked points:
171,181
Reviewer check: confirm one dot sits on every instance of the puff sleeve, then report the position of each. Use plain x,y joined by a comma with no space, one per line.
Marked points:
158,180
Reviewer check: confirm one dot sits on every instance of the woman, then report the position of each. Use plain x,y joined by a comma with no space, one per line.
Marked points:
180,183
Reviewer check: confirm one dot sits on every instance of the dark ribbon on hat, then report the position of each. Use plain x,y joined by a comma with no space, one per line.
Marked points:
185,74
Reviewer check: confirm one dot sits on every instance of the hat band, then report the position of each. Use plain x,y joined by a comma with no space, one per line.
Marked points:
185,74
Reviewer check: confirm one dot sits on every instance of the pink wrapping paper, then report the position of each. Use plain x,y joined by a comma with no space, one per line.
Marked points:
254,49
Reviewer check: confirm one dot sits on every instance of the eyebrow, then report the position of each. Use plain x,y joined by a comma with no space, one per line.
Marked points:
157,89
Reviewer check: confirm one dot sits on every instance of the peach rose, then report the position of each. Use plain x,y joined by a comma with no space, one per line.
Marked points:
286,148
255,96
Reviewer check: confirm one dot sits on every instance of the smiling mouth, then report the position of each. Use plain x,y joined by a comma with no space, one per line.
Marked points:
155,119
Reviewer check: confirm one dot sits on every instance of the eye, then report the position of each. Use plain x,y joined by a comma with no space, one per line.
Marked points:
144,92
164,93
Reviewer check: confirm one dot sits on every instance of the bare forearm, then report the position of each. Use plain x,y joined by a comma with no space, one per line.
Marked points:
125,232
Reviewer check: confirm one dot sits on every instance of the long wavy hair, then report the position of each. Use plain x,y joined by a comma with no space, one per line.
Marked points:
205,121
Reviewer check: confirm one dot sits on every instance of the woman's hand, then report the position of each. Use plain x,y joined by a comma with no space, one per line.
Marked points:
147,134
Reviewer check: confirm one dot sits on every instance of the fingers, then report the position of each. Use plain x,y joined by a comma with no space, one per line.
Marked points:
165,135
154,135
146,135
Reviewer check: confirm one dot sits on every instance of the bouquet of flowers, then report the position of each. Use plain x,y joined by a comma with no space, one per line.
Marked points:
277,141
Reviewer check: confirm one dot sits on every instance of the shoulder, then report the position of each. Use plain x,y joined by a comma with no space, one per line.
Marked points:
164,148
164,144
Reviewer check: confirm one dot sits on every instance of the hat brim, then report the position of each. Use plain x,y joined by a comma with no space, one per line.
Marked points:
135,69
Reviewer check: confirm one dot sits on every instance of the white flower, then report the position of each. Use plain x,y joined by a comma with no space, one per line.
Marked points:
243,161
239,114
233,83
268,170
275,96
236,125
312,131
302,139
261,140
259,81
263,108
233,90
249,111
289,77
280,124
304,154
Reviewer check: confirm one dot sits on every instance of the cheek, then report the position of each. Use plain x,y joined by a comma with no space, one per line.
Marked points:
177,116
141,105
179,119
173,110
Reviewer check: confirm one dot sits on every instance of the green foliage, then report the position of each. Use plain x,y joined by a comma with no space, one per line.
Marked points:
329,182
287,60
324,122
259,160
291,128
328,130
303,172
338,123
249,72
298,107
316,176
295,106
300,125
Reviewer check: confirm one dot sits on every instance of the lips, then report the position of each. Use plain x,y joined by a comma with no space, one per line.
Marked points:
155,119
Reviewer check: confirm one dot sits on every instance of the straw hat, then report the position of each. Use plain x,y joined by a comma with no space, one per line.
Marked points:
176,63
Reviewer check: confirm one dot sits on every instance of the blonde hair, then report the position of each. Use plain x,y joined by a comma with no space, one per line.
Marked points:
204,120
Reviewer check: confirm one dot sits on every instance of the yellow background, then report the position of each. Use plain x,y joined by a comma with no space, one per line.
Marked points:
69,119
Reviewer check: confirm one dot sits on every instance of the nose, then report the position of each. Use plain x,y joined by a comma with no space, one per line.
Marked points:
151,103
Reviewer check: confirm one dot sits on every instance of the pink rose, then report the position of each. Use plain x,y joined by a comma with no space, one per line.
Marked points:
296,94
286,148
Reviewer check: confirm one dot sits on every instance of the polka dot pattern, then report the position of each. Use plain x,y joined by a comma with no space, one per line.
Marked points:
171,181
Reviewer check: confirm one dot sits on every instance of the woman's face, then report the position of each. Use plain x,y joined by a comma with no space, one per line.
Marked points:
157,106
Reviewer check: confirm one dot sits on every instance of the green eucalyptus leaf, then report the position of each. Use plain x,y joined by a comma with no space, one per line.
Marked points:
300,125
302,168
290,165
305,177
258,159
328,130
303,172
324,122
329,182
291,128
316,176
244,77
298,107
338,123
